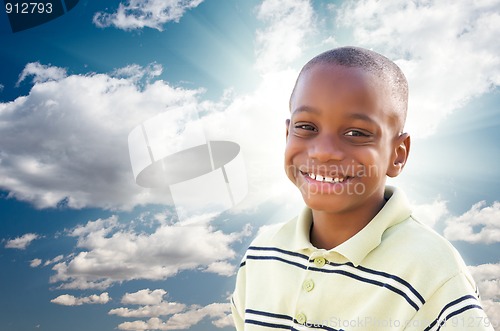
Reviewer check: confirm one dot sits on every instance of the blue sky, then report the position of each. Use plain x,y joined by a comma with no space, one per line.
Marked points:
83,246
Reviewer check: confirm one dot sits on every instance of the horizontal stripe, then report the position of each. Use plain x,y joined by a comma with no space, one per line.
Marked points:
396,278
276,249
378,278
268,319
251,257
373,282
280,321
273,253
458,312
265,313
269,325
452,309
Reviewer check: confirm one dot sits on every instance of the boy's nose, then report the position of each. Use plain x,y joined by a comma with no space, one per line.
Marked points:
326,148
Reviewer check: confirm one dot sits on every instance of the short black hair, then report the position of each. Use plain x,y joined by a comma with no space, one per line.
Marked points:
372,62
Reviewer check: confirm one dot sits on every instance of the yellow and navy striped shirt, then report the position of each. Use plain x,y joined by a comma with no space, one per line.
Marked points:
394,274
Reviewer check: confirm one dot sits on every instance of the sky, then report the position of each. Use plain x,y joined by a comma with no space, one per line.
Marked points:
83,246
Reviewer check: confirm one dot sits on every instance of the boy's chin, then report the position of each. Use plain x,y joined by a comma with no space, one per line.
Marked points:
333,203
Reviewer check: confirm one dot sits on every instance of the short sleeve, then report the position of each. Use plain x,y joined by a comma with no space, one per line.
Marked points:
454,306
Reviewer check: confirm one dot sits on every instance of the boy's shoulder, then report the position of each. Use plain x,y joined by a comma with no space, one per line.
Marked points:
417,241
419,254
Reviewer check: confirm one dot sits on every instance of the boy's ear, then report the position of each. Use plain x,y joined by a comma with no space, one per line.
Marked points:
287,122
399,155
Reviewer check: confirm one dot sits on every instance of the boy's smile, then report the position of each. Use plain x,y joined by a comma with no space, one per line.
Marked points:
343,138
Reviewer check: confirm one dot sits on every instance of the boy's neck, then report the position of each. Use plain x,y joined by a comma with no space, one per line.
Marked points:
330,230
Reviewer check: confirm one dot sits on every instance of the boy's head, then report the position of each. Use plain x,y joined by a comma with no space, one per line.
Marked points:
345,135
385,70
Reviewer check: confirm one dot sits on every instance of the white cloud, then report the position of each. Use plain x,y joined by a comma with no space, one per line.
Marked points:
70,300
492,310
154,310
154,306
21,242
41,73
289,22
66,142
183,321
144,297
225,321
110,254
35,263
54,260
101,226
218,312
448,50
1,87
136,72
430,213
478,225
331,42
137,14
151,324
222,268
487,277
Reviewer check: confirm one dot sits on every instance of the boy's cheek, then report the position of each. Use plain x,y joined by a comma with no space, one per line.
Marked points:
291,171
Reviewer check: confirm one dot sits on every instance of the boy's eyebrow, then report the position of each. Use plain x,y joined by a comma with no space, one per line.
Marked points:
363,117
305,109
358,116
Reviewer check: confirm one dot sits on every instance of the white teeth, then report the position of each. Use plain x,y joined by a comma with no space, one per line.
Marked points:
325,179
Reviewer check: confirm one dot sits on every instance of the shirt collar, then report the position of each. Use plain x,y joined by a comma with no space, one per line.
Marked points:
356,248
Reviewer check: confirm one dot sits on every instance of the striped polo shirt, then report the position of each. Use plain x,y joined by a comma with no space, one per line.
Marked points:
394,274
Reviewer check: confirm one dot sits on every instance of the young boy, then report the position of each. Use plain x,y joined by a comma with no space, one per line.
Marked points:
355,258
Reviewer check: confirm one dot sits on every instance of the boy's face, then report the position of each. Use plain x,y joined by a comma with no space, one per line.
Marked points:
342,139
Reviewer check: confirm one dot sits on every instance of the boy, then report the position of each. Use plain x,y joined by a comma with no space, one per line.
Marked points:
355,258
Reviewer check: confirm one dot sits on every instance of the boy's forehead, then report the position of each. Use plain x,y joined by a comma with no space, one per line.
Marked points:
331,80
334,73
325,81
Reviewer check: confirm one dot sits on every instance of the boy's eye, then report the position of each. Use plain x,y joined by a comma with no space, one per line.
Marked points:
305,126
356,133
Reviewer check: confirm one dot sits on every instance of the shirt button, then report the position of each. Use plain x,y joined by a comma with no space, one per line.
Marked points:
308,285
319,261
301,318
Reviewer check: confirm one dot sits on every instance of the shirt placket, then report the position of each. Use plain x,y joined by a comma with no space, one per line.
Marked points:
307,292
308,304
